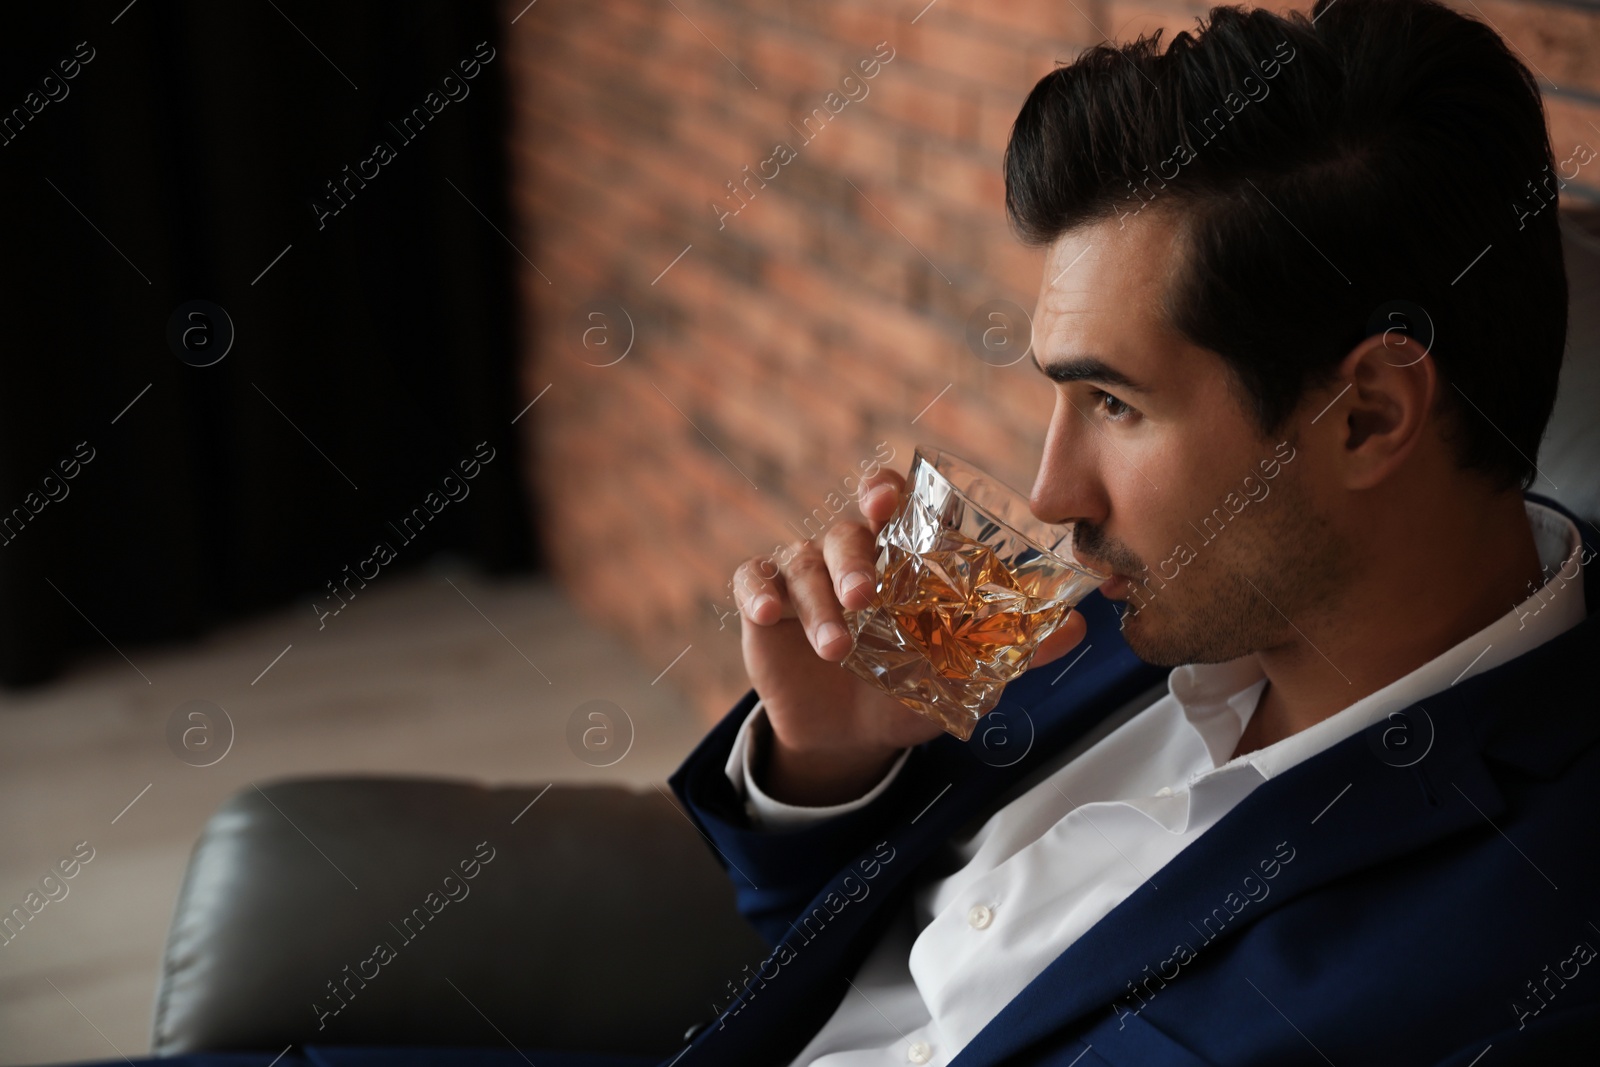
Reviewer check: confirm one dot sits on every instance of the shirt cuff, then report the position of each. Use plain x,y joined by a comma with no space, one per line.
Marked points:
770,814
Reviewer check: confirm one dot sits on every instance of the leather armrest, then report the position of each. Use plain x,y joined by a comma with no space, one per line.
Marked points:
596,918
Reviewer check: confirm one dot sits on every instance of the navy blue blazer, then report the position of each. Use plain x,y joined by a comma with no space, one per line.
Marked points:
1416,894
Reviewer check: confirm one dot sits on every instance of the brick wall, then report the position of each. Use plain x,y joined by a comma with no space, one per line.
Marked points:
816,318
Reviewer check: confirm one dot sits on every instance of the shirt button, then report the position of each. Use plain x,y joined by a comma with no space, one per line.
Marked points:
1164,791
979,917
919,1052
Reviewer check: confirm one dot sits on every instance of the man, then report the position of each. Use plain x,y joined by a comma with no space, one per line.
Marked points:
1304,331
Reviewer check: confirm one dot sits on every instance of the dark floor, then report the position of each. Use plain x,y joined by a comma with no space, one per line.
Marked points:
437,674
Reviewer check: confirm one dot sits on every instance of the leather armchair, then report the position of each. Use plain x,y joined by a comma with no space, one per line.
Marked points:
596,918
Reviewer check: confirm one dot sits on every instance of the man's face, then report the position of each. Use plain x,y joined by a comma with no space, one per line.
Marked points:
1209,528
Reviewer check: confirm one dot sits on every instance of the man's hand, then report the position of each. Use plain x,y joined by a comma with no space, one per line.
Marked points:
834,735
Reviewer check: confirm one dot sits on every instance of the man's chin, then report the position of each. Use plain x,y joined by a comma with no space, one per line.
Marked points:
1152,641
1134,624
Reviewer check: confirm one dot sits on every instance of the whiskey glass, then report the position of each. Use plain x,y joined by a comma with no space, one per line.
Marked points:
968,583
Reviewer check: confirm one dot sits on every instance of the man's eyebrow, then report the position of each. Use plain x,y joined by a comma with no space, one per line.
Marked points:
1087,369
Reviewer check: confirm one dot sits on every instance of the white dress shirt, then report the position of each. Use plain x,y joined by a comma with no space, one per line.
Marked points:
1068,845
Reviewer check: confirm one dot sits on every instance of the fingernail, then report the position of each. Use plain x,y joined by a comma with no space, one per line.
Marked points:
828,633
760,602
853,580
879,491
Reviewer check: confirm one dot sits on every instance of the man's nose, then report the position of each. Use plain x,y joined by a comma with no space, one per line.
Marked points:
1068,486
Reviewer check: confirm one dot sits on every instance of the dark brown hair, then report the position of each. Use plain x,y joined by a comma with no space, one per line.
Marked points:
1326,167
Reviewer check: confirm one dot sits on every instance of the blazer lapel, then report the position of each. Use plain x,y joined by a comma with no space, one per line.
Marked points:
1355,805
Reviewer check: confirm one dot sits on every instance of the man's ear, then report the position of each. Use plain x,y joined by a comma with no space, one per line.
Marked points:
1383,398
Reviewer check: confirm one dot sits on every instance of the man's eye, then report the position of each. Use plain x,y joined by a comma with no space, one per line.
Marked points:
1113,409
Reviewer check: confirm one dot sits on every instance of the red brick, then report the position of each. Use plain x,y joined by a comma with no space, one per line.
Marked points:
858,25
908,97
995,115
971,183
1128,19
1010,65
783,64
1050,20
1574,137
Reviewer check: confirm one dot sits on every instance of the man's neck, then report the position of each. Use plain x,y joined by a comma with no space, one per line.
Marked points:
1397,618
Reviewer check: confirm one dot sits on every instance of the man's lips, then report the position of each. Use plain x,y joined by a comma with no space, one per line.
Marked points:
1115,587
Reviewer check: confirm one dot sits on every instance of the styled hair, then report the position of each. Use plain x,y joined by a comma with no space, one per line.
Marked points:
1323,169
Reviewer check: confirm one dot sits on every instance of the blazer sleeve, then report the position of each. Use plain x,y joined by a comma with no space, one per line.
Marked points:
770,813
775,871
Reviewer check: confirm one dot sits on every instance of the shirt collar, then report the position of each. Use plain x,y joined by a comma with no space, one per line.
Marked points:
1218,698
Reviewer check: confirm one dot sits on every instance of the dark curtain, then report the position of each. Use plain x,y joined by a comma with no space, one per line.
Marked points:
160,153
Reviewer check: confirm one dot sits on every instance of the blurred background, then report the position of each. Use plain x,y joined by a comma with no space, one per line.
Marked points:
386,382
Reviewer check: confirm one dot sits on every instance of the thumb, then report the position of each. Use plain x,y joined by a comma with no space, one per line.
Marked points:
879,507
